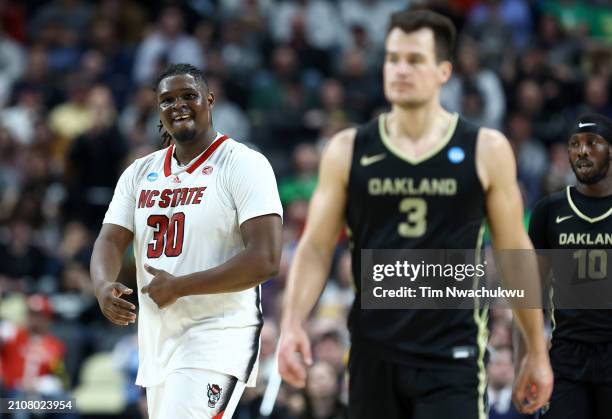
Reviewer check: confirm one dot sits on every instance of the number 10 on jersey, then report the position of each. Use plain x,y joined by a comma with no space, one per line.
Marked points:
168,235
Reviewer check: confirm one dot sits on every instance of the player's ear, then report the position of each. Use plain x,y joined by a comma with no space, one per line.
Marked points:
210,97
445,70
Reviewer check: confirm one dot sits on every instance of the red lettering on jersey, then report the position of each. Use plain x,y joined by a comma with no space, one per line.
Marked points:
164,199
151,200
176,193
190,195
184,192
198,195
144,196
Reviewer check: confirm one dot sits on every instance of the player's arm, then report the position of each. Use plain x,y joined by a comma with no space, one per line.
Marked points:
312,260
538,227
105,265
497,170
256,263
251,185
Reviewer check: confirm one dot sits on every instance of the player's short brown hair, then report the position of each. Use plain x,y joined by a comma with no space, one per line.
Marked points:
442,27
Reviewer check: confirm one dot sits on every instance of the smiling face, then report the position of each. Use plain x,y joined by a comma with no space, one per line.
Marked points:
184,107
589,155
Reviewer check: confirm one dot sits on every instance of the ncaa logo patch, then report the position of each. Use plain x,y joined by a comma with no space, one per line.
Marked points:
152,177
207,170
456,155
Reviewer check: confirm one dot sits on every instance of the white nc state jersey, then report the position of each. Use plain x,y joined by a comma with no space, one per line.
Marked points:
187,219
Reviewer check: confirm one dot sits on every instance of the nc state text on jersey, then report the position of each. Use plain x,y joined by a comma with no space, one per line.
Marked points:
170,197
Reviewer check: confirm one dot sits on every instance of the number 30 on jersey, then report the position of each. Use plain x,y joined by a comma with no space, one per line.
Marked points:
168,235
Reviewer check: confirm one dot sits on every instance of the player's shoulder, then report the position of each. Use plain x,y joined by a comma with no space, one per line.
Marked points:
467,128
148,163
550,202
237,152
340,145
494,158
491,140
151,157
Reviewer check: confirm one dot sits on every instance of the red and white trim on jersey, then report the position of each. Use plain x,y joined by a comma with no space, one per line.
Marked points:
207,153
189,221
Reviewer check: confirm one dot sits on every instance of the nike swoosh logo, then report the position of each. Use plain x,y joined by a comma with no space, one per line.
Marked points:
368,160
561,219
586,124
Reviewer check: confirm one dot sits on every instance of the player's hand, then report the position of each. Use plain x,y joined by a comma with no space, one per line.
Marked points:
533,384
162,288
115,308
294,355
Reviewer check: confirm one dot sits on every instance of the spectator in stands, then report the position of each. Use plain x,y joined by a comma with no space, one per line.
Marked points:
322,393
501,374
167,43
32,358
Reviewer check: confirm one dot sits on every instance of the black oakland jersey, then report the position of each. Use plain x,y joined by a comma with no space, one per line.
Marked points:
571,220
435,202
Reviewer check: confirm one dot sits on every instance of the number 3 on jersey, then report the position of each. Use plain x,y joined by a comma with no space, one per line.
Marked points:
416,217
168,235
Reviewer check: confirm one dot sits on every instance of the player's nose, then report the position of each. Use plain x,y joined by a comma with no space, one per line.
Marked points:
584,149
178,104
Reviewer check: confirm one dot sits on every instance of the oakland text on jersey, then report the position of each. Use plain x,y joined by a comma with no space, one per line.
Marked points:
435,203
170,197
585,238
410,186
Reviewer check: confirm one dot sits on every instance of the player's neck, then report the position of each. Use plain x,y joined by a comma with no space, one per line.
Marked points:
416,123
186,151
599,189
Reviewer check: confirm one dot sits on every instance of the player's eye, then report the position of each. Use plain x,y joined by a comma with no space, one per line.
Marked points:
392,58
415,60
165,102
190,96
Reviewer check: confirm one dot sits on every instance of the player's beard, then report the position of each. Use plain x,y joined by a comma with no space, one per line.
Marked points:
184,135
595,177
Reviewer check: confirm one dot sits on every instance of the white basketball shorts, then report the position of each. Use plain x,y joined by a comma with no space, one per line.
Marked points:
191,393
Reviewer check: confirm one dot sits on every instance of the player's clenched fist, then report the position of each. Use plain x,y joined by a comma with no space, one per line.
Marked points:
293,353
115,308
534,383
162,288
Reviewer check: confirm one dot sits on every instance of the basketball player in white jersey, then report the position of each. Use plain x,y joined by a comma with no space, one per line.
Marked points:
205,218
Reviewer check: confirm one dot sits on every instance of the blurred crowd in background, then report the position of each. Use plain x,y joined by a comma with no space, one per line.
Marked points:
77,106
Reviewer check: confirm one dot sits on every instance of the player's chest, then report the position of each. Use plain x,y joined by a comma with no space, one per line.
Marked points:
570,231
197,197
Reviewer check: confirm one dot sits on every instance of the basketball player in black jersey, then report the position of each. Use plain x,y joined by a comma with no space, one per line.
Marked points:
580,218
413,364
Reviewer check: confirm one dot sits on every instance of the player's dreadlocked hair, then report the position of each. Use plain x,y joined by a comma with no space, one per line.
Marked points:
178,70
